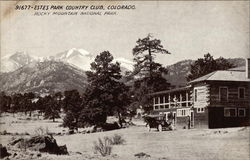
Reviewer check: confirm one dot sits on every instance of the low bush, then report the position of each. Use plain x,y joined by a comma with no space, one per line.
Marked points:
23,144
117,139
103,146
40,131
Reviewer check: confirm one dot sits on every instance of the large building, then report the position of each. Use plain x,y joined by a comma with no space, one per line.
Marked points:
216,100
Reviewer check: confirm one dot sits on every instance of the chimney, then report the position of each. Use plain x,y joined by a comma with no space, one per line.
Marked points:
248,68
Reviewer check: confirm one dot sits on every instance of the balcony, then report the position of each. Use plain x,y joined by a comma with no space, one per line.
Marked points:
177,98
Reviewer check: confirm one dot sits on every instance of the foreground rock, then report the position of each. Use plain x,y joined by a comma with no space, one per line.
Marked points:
3,151
40,143
142,155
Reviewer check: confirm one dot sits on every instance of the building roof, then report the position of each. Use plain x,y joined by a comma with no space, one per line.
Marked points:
241,68
225,75
171,90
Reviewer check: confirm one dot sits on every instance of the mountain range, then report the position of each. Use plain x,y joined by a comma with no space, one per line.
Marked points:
13,62
66,71
43,77
76,57
79,58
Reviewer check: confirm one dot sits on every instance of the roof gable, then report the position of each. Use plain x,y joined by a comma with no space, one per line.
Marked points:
225,75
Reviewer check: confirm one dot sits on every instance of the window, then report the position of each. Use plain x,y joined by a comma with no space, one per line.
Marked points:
166,99
156,107
162,99
241,92
183,97
195,95
161,106
156,100
200,110
241,112
223,94
182,112
230,112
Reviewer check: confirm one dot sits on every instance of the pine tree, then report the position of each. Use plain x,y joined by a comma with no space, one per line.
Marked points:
150,73
16,102
52,108
5,102
206,65
73,106
105,94
26,102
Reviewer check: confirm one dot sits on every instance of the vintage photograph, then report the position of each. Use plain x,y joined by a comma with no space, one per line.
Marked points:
124,80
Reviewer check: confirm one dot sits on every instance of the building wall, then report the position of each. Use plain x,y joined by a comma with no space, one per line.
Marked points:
180,121
208,99
201,118
217,108
233,94
203,95
217,119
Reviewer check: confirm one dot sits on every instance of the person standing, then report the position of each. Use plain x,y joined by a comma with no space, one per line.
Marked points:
189,122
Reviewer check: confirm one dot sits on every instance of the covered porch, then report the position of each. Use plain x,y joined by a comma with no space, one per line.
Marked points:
174,98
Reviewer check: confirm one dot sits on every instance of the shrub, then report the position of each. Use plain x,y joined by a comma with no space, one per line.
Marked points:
103,146
69,121
40,131
117,139
22,143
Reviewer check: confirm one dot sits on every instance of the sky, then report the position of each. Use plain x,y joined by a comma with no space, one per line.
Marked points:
186,29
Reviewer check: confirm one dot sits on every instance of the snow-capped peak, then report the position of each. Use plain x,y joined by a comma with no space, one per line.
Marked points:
77,57
84,52
125,63
74,52
123,60
70,52
12,62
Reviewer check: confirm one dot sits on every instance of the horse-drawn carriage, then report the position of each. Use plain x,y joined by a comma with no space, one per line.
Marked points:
159,122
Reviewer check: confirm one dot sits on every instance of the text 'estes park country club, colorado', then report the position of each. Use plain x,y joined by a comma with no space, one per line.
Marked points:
72,7
42,10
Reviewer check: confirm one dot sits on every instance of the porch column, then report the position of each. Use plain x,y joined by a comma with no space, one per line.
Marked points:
187,99
175,101
180,100
169,105
154,103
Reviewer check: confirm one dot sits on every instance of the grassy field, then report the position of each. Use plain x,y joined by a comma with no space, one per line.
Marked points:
193,144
